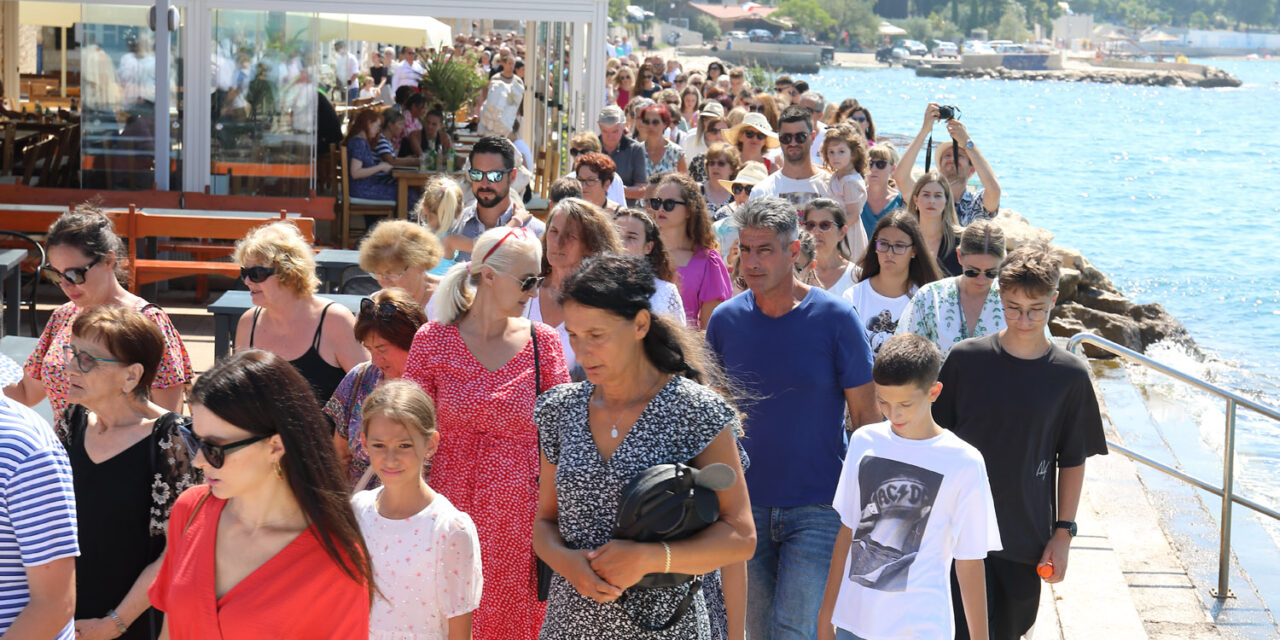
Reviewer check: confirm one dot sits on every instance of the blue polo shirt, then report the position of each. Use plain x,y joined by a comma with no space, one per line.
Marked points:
794,370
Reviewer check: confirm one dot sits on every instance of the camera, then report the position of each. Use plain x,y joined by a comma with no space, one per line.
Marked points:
948,112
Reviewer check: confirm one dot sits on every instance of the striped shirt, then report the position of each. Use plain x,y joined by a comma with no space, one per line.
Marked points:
384,147
37,506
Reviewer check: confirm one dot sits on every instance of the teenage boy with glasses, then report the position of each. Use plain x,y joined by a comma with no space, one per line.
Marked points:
1029,407
492,167
800,180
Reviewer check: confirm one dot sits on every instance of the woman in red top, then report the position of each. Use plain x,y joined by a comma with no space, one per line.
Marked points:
478,364
268,547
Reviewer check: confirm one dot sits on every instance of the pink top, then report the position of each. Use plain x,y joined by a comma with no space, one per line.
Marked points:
487,463
704,279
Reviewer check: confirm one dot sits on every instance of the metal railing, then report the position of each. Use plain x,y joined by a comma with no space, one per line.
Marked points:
1227,490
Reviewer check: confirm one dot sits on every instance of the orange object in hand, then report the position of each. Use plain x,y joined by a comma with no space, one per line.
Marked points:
1045,570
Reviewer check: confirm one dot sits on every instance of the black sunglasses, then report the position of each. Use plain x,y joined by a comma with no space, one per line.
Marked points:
385,310
879,164
526,284
800,138
576,152
653,123
739,189
74,275
477,175
667,205
973,273
214,454
258,275
752,133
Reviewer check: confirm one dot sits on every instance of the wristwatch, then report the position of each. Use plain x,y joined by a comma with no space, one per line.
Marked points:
1066,524
969,144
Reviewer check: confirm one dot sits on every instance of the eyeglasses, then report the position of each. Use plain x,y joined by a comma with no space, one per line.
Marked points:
879,164
717,163
716,129
215,454
739,189
991,274
526,284
667,205
576,152
1034,315
825,225
886,247
385,310
799,138
257,274
589,181
74,275
476,175
390,276
519,232
653,123
83,359
752,133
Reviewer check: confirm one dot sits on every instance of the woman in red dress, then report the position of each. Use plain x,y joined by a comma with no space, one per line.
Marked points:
478,363
268,547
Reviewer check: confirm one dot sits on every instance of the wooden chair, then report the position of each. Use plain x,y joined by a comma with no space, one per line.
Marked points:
349,205
35,161
8,137
64,166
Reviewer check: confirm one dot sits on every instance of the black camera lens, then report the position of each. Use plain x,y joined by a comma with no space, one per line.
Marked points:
948,112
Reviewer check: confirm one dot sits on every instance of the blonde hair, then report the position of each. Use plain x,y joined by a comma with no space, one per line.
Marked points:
735,116
456,293
399,243
281,245
884,151
585,140
403,403
441,200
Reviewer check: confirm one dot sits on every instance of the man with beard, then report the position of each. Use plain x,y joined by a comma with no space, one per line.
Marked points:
799,181
957,160
493,167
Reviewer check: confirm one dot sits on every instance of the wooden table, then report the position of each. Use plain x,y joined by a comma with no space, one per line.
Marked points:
332,263
11,274
404,179
229,306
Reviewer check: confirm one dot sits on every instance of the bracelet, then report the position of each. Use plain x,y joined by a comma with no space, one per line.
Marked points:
666,568
120,625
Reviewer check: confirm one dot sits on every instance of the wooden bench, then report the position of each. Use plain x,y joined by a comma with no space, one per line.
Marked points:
68,198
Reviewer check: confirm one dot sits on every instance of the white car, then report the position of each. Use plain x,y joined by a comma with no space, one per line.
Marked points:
736,34
946,50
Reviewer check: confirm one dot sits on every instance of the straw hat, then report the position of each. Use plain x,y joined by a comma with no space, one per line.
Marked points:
751,173
755,121
712,109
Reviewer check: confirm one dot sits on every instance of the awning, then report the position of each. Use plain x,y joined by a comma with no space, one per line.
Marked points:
404,30
67,14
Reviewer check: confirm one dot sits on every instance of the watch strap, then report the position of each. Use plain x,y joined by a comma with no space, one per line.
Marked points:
1066,524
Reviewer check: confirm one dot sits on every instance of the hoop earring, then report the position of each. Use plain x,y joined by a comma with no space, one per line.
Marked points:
279,471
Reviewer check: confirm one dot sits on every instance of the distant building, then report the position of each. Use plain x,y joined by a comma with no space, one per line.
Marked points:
731,17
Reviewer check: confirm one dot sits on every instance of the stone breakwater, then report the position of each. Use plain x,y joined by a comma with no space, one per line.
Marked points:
1209,78
1089,302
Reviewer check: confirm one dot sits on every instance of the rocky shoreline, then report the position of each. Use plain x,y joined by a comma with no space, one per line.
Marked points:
1211,78
1089,302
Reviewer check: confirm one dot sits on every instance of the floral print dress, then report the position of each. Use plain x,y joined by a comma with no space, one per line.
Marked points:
670,160
346,408
935,313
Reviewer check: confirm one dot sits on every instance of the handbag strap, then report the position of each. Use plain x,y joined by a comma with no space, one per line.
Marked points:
537,360
681,609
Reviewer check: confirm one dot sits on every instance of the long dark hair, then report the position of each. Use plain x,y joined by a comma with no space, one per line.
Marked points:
923,268
659,257
263,394
697,227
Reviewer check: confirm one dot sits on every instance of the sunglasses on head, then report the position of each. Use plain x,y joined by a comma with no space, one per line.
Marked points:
476,175
214,454
667,205
257,274
384,310
739,189
878,164
799,138
83,360
991,274
825,225
74,275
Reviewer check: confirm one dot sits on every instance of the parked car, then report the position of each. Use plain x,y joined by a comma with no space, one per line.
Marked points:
914,47
945,49
885,54
791,37
760,35
737,34
977,46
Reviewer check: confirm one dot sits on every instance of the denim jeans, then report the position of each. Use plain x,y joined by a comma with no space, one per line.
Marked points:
841,634
788,574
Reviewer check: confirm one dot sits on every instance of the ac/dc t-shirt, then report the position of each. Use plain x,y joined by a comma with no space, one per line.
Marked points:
1027,418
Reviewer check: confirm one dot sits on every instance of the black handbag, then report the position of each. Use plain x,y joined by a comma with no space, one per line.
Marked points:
668,502
542,569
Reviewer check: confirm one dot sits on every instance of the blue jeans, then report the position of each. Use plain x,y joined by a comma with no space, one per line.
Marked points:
787,575
841,634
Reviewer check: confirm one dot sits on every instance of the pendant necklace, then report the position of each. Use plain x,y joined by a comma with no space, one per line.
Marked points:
613,431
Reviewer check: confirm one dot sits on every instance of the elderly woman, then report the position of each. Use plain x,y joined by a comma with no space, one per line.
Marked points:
278,266
268,546
399,253
124,491
968,305
722,163
587,142
484,365
828,222
753,136
575,230
369,175
386,325
660,155
86,261
640,237
595,172
644,384
681,216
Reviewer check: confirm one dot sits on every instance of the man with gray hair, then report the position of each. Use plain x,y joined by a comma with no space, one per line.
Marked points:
815,103
803,357
627,154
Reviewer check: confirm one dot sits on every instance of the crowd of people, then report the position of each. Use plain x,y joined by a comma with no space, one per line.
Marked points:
741,281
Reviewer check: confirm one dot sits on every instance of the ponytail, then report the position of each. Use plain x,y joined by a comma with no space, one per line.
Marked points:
456,293
665,348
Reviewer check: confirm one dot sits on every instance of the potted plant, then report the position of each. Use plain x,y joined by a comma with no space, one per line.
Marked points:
453,81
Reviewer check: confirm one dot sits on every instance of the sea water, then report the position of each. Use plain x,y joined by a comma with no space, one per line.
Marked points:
1174,193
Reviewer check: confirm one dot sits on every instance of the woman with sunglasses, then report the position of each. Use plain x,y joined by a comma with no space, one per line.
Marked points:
85,260
645,87
279,268
882,194
826,220
851,110
268,546
484,365
399,253
965,306
623,83
660,155
714,71
892,271
931,203
386,324
681,216
639,236
128,463
576,230
722,164
767,105
754,136
595,172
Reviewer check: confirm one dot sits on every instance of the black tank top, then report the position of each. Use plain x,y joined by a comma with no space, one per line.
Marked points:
323,377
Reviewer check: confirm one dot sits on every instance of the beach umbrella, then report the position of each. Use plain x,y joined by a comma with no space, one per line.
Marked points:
887,29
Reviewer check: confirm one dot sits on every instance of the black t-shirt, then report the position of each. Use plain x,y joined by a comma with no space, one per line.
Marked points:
1027,417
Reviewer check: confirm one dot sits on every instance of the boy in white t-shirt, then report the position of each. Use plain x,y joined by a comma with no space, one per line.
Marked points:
912,498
